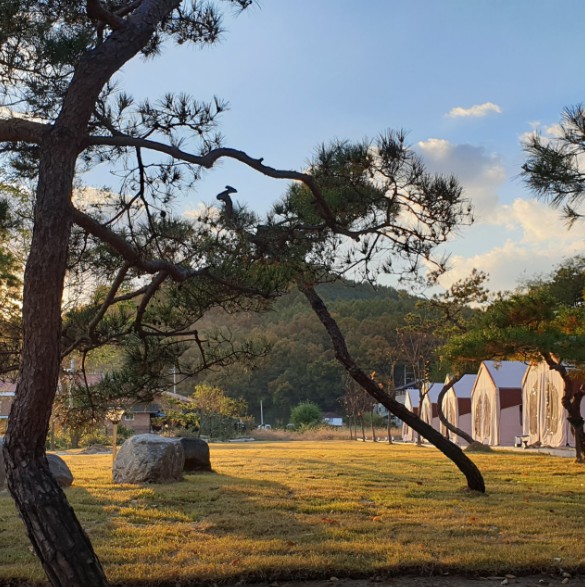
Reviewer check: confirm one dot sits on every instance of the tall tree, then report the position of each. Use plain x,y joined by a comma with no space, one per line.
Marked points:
57,64
385,201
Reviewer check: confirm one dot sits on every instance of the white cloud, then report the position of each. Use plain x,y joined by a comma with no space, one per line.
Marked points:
477,111
203,212
512,241
7,113
544,241
481,173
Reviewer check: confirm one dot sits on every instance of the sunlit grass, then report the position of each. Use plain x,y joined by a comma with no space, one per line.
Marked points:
316,509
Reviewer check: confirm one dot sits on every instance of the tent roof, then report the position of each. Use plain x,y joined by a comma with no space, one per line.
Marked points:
464,386
434,391
507,374
414,396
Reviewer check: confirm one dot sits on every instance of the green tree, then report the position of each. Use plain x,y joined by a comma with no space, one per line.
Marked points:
392,179
57,64
554,166
306,414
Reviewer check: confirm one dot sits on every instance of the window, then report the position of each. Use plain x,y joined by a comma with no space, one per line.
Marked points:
128,416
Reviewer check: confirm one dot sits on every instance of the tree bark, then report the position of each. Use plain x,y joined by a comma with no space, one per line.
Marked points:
57,537
61,544
450,450
451,427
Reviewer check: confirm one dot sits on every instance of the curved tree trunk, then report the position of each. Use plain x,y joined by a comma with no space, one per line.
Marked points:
452,451
451,427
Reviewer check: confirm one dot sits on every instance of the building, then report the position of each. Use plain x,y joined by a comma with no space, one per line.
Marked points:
7,393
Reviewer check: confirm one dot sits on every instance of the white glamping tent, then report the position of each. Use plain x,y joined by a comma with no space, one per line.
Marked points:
411,400
428,411
545,419
496,402
457,407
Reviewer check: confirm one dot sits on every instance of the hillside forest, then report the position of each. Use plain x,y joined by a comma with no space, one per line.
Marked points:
299,363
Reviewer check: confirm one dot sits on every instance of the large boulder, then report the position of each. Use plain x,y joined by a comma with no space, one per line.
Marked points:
57,466
60,470
148,458
196,454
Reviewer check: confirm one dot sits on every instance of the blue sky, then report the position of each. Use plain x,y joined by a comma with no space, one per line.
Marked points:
301,72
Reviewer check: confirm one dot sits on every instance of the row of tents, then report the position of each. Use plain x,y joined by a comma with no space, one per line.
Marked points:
506,403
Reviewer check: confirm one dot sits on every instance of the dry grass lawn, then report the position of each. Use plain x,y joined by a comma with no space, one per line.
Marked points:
315,509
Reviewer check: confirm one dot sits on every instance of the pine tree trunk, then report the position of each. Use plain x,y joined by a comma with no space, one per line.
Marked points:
450,450
56,535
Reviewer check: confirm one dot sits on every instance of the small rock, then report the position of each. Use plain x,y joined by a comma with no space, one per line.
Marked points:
566,575
333,579
504,582
565,580
510,576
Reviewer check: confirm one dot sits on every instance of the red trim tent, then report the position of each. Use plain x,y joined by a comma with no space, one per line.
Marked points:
544,419
496,402
457,407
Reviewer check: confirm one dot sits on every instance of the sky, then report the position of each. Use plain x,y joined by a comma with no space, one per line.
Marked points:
467,80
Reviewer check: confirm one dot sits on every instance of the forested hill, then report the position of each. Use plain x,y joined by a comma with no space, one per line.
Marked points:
301,364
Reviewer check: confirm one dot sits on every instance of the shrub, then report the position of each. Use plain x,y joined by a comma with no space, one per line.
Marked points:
306,414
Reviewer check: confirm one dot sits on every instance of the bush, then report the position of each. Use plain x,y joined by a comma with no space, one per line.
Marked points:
306,414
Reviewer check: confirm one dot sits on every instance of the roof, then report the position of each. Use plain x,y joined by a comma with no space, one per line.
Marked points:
413,394
507,374
433,391
145,408
464,386
7,386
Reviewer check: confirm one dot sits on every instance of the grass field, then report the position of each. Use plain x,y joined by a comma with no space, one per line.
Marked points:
313,510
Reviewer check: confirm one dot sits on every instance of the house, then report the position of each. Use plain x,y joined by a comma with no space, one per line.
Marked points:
544,418
457,406
332,419
7,393
496,402
139,416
